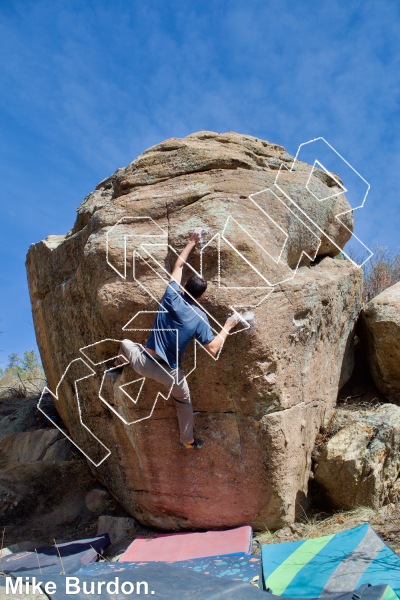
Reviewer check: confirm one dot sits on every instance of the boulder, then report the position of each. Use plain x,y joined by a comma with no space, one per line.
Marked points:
259,407
360,465
17,414
46,445
118,528
380,322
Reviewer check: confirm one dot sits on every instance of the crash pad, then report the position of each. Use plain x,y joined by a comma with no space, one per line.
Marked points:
73,556
239,568
172,547
166,584
167,581
330,564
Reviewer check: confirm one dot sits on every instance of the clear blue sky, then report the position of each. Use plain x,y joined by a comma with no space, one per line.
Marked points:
86,85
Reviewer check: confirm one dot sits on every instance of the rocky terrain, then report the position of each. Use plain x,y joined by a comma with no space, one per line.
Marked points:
47,491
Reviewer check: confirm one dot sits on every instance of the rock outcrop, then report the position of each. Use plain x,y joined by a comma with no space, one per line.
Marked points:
260,406
380,321
118,528
46,445
360,465
47,491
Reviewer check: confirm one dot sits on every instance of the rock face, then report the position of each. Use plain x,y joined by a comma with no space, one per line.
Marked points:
260,406
380,320
360,465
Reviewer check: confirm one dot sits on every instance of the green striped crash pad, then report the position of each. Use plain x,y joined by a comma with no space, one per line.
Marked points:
364,592
332,564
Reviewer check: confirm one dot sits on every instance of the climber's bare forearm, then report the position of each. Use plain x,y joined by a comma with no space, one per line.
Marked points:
216,344
177,271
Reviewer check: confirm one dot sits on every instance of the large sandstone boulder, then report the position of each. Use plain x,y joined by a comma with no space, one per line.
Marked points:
380,320
360,465
260,406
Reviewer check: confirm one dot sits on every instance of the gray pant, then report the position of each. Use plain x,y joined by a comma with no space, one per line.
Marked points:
147,366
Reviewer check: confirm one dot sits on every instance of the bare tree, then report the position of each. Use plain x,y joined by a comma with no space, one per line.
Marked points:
380,272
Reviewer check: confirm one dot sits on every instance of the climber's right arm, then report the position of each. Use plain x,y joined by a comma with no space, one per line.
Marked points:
216,344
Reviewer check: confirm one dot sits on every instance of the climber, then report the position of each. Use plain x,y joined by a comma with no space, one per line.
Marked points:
178,320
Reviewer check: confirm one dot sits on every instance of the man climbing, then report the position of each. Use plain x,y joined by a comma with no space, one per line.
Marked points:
178,320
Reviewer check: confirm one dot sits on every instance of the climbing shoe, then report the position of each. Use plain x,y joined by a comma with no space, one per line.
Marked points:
196,445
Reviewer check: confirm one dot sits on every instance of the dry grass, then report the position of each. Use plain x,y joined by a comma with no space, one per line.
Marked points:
316,525
385,521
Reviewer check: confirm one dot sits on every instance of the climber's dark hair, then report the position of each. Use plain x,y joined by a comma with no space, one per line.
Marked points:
196,286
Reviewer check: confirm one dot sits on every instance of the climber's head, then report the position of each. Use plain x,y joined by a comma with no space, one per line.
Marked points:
195,286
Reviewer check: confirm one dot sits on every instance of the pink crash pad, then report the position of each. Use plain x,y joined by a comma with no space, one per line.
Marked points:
171,547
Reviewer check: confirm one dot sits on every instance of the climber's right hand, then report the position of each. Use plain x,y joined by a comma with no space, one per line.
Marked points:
196,235
232,321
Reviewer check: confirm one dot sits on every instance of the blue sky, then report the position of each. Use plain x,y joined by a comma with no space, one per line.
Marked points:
87,85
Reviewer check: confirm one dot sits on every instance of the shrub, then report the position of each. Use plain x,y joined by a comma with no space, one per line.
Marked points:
23,376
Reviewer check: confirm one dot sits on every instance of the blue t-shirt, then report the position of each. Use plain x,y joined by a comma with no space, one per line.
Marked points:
173,330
